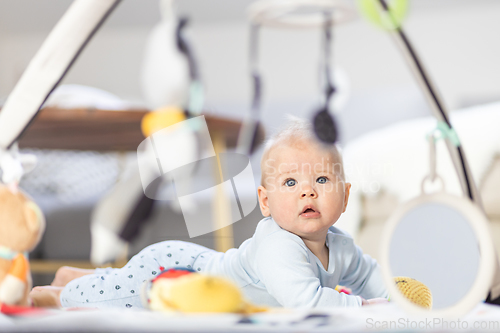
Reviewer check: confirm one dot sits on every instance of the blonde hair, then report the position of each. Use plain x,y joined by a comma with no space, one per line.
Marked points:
298,130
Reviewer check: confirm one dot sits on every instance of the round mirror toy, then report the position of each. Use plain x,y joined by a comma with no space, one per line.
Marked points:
441,241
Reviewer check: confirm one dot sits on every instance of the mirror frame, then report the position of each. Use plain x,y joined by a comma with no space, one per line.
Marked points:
479,224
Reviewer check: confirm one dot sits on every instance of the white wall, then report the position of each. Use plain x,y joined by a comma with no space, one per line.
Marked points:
457,40
110,61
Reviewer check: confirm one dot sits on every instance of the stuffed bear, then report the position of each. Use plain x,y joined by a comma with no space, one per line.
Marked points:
21,227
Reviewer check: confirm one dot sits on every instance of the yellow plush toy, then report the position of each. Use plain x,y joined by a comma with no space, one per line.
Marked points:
21,227
415,291
183,290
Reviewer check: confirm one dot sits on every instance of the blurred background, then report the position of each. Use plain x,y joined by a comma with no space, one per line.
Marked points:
456,39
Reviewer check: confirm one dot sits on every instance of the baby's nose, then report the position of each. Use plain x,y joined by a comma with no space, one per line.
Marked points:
308,192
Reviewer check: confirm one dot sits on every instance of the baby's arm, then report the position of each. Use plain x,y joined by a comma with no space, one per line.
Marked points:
284,268
362,274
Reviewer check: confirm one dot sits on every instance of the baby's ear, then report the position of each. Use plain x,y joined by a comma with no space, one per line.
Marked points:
346,195
263,201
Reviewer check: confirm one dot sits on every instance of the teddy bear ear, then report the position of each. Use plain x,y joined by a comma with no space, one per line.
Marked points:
28,161
34,216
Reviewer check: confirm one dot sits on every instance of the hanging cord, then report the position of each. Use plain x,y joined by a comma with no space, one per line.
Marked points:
254,70
323,122
456,152
247,138
327,52
441,132
196,91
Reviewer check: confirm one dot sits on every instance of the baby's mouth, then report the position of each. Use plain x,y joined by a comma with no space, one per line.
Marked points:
309,211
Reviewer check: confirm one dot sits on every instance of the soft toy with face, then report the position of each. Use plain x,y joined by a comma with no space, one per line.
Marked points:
21,227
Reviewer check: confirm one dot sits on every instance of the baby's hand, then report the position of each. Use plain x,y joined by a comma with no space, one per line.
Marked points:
375,301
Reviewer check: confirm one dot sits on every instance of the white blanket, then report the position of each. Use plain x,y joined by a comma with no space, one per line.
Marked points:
368,318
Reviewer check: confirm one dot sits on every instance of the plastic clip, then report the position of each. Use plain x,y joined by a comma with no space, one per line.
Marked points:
444,131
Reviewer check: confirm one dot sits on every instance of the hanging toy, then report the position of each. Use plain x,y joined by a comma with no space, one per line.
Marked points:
161,118
371,10
389,16
165,70
172,88
323,122
301,14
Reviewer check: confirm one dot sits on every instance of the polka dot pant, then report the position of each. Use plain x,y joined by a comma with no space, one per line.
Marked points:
120,287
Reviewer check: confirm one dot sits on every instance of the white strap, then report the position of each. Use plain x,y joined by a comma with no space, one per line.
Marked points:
50,64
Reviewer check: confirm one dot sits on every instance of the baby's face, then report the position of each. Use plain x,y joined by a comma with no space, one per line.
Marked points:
302,190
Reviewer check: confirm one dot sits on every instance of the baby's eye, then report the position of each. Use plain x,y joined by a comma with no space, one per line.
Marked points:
322,180
290,182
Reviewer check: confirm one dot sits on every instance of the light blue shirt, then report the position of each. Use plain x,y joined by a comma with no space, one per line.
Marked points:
276,268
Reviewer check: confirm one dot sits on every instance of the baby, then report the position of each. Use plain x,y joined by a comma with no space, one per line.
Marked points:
294,259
